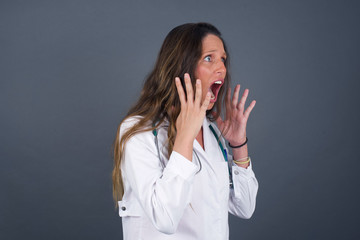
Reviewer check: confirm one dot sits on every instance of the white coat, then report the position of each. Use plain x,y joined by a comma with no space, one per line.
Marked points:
177,202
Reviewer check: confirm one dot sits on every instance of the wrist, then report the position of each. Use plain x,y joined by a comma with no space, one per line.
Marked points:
238,144
184,139
184,146
242,161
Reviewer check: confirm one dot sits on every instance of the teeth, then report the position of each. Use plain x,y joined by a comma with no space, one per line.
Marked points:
212,95
217,82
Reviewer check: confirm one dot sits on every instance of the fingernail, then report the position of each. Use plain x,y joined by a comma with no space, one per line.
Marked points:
197,81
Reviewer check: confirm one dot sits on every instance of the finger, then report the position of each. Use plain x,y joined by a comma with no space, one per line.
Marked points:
189,88
198,93
206,102
249,109
236,96
241,105
180,91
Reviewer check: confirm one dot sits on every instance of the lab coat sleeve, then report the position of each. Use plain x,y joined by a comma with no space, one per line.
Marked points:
162,194
242,199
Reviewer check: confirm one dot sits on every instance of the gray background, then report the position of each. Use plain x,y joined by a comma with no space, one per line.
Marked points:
69,71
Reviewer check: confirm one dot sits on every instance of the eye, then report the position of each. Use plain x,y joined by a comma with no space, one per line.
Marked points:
223,60
207,58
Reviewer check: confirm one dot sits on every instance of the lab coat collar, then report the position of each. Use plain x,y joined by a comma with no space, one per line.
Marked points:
211,146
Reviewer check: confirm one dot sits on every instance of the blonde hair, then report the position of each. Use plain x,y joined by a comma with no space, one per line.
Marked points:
159,101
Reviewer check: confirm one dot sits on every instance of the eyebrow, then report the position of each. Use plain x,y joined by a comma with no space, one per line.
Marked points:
211,51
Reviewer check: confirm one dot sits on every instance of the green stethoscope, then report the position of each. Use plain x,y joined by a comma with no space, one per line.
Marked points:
223,150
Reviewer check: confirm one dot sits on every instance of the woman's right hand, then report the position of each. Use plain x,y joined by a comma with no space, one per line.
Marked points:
191,117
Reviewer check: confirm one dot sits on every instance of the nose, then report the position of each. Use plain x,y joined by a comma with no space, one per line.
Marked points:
220,67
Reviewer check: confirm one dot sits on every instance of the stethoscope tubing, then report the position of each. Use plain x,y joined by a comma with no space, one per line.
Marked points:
223,150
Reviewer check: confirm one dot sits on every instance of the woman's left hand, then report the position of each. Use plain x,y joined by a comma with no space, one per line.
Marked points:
236,117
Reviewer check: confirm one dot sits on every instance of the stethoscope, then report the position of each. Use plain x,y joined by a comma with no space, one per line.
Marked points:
223,150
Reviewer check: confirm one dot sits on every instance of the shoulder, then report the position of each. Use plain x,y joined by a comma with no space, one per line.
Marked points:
141,135
128,123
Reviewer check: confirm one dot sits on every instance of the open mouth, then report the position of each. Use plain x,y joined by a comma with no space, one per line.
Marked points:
214,90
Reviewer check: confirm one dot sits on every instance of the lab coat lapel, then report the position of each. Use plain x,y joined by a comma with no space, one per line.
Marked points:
212,153
212,147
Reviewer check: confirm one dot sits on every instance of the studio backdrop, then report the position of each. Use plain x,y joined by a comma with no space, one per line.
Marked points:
70,70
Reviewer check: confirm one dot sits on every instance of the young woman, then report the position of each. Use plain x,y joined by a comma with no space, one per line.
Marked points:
173,177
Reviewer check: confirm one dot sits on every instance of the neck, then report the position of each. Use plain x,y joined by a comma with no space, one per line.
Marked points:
200,138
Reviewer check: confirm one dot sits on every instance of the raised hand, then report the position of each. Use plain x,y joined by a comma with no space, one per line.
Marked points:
236,117
191,117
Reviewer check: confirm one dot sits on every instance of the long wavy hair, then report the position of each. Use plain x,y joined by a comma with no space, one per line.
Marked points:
159,100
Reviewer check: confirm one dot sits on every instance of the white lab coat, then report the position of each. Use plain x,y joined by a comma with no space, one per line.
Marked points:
177,202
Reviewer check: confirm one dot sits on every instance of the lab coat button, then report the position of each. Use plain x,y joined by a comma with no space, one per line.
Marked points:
123,208
236,172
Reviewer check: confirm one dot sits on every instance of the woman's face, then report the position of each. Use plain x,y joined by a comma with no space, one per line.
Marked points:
211,68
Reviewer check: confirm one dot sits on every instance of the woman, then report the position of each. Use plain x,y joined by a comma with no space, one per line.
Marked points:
172,171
